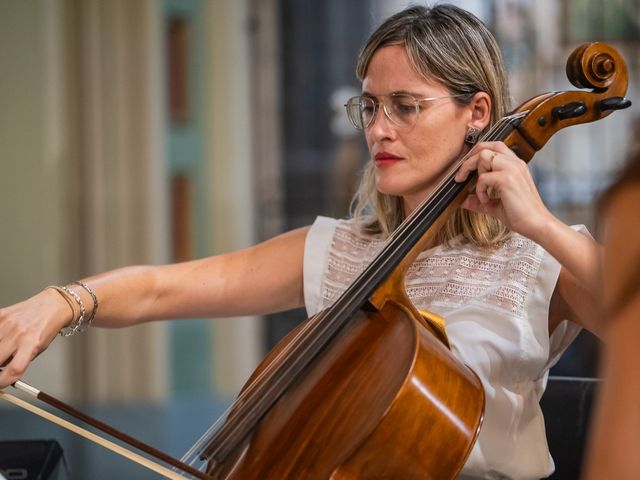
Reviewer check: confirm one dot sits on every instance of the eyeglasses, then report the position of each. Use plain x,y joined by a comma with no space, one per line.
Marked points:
402,109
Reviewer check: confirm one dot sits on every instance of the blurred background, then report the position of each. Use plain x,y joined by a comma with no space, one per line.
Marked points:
153,131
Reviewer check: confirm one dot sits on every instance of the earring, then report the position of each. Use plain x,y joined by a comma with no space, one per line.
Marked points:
472,136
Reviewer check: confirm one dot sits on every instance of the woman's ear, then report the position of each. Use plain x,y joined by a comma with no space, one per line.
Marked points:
480,106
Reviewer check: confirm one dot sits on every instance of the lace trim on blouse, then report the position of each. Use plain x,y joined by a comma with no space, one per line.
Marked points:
498,278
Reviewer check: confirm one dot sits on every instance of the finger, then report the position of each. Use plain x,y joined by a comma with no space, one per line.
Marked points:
499,147
473,204
15,368
480,159
486,162
488,186
4,364
493,193
7,349
6,375
469,165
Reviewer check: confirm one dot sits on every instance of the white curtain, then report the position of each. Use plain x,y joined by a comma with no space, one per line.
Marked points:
116,191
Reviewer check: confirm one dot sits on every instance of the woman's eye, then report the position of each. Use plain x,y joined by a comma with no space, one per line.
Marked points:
367,109
404,108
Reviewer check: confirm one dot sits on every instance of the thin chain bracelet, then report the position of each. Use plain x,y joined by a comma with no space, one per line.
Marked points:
77,325
95,302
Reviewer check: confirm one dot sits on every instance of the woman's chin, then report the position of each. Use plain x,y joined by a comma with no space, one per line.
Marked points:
393,188
389,186
385,190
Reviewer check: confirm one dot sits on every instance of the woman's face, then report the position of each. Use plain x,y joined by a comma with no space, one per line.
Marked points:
410,161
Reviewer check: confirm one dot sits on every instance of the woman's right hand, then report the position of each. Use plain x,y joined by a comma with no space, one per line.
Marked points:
26,329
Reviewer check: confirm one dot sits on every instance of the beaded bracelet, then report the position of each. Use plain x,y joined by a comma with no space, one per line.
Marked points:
95,302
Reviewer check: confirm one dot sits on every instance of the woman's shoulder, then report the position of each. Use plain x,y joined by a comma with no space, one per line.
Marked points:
345,228
342,238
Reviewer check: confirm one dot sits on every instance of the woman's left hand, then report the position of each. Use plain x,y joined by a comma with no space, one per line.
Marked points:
505,189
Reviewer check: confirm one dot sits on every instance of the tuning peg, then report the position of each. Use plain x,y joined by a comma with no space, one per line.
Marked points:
613,103
570,110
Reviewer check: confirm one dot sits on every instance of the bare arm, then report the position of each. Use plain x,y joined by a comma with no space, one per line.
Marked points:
574,297
261,279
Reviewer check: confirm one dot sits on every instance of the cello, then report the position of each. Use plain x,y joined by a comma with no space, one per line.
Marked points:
368,388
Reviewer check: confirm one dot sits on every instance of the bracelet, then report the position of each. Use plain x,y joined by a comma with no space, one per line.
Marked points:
76,325
93,297
66,299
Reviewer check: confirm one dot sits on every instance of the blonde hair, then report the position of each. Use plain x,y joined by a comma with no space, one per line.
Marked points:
452,46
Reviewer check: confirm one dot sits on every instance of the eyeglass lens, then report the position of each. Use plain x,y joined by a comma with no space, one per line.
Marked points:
402,109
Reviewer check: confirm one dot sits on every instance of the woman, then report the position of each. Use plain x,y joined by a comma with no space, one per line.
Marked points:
615,436
432,79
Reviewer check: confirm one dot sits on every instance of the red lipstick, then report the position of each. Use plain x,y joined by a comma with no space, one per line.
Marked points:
386,158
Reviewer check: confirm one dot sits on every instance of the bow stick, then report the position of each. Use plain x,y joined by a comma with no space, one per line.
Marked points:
58,404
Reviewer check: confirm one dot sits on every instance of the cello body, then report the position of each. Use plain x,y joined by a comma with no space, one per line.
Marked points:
386,400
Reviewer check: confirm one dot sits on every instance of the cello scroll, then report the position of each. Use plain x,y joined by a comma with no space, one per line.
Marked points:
597,66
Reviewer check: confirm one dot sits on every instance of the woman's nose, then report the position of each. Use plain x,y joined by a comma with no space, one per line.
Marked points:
381,126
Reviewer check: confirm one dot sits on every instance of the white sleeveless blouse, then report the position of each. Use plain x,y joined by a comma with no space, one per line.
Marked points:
496,307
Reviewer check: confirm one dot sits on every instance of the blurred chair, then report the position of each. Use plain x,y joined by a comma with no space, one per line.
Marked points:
566,405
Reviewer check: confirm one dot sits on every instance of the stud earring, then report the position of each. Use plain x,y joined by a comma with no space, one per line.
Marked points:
472,136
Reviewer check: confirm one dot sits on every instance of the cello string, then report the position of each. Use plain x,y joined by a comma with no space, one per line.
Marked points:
191,456
444,186
496,132
268,395
243,399
378,264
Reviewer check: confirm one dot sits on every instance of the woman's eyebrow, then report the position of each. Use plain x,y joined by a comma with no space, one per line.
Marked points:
395,92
